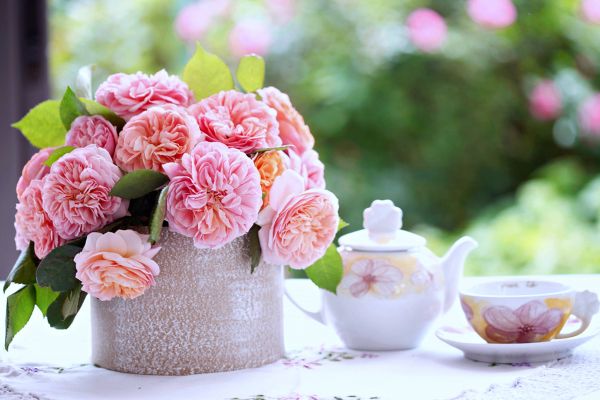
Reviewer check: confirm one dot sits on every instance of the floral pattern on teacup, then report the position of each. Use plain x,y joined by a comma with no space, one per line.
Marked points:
522,325
372,276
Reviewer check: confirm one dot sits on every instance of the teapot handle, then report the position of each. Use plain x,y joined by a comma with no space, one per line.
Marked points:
317,316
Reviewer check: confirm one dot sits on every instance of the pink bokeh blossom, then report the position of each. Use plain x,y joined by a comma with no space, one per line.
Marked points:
195,19
590,10
545,101
250,36
492,13
282,11
426,29
589,115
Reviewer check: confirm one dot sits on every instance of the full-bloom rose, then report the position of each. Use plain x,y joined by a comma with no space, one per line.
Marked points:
250,36
492,13
214,195
270,165
76,192
292,129
155,137
589,115
33,224
237,120
309,167
426,29
116,264
298,225
129,95
545,101
95,129
34,169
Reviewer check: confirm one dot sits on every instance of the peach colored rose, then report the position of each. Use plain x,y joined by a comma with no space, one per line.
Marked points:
116,264
93,129
310,168
297,226
237,120
426,29
129,95
34,169
270,165
33,224
214,195
76,192
292,129
545,101
155,137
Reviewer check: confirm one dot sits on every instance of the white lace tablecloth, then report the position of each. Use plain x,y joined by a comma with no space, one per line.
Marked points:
47,364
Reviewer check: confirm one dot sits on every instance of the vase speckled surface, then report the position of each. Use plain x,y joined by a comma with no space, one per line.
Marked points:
207,313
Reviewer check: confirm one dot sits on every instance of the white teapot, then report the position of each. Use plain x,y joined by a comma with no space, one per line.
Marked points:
393,288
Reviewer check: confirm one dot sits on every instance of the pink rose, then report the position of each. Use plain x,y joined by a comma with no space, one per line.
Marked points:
129,95
237,120
33,224
250,37
76,192
116,264
589,115
590,10
426,29
195,19
292,129
545,101
214,195
155,137
94,129
492,13
309,167
34,169
297,226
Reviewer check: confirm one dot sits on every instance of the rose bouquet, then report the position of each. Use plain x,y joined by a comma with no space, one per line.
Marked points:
193,155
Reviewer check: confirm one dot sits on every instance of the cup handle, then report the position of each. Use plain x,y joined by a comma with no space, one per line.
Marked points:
317,316
585,306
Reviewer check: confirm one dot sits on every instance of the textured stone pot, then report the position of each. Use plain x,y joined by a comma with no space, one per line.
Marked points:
207,313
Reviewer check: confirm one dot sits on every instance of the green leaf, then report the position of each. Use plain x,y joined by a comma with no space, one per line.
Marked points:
42,125
342,224
44,297
55,310
206,74
158,215
19,307
58,153
71,303
24,269
251,72
57,269
83,82
70,108
95,108
327,271
255,251
138,183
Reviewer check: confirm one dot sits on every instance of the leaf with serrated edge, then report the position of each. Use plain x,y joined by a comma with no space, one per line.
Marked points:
327,271
58,153
24,269
54,314
206,74
19,307
158,215
251,72
57,269
138,183
42,125
70,108
44,296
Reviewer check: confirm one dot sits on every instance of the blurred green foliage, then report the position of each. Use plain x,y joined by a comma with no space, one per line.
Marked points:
448,136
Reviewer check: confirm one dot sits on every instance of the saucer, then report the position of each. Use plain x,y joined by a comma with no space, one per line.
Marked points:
475,348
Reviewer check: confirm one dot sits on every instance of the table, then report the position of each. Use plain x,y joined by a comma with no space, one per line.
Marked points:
46,364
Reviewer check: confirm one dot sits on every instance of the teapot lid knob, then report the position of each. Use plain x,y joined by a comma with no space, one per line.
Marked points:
382,220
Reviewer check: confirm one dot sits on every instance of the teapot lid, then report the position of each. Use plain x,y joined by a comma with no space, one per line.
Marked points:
382,222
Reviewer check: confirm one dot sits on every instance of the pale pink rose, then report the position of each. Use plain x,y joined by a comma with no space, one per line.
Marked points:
589,115
283,11
590,10
93,129
250,36
298,225
292,129
521,325
33,224
492,13
76,192
155,137
116,264
545,101
238,120
375,276
195,19
308,166
214,195
426,29
129,95
34,169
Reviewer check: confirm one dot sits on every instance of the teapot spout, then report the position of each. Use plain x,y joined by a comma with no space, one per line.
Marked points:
453,263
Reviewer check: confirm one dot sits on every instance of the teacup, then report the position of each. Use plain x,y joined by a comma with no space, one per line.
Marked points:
526,311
